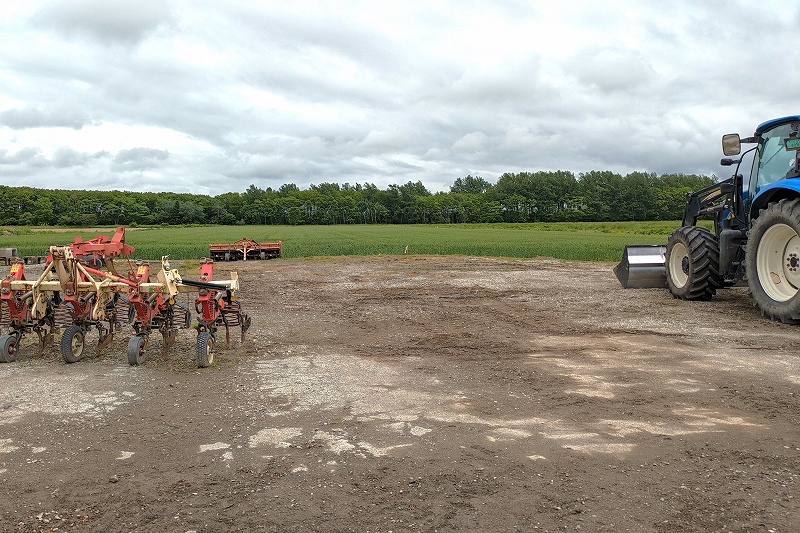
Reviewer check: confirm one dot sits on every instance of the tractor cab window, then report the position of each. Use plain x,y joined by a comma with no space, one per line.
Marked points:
773,159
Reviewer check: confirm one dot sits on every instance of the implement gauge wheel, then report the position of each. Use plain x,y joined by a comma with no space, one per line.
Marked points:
9,346
205,349
773,261
136,350
72,344
693,264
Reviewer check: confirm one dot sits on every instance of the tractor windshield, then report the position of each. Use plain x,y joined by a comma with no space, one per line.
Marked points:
772,161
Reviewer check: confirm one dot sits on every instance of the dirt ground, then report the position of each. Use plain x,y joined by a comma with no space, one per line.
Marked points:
420,394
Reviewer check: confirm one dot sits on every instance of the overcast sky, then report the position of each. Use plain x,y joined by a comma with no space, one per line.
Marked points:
209,97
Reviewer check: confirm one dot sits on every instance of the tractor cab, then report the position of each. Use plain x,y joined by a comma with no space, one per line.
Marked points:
776,162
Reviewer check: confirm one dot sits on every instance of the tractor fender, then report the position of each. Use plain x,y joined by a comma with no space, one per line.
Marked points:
774,192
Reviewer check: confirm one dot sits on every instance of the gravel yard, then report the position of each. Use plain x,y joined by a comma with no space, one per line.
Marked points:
420,393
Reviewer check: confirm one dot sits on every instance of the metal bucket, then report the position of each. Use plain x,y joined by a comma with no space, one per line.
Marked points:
643,267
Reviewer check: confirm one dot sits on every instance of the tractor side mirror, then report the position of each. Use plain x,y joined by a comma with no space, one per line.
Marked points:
731,144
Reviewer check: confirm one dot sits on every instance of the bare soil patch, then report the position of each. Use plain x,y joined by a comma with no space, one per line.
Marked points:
420,394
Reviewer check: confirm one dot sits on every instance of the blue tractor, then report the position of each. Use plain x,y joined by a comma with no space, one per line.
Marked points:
756,237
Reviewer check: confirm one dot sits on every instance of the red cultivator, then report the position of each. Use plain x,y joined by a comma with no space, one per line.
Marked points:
245,249
79,297
17,310
216,306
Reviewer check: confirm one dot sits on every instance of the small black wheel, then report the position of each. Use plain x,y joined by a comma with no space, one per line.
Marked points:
72,344
136,351
9,346
693,264
205,349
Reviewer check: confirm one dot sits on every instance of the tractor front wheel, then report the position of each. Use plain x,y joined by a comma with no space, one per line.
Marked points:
773,261
693,264
9,345
72,343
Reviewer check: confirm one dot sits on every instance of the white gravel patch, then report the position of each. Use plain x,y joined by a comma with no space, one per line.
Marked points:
65,391
335,381
278,437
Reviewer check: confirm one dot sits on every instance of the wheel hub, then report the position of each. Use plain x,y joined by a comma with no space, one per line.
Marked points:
778,262
678,265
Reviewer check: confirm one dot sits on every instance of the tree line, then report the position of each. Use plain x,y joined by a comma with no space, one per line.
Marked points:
555,196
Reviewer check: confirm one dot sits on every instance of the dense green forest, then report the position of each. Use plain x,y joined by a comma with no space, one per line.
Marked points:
559,196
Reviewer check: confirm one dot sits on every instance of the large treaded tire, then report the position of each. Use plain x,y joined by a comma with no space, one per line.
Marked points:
693,264
773,261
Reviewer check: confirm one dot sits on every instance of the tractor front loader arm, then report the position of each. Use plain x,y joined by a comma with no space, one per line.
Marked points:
707,201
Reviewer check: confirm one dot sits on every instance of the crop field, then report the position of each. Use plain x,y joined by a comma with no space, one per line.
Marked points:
590,241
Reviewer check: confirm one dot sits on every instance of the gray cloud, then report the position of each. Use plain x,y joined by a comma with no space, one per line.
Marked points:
33,117
107,21
211,97
138,159
26,156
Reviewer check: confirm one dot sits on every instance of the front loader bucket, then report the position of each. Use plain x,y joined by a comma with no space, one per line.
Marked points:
643,267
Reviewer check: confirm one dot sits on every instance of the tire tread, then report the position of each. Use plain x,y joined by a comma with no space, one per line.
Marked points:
704,276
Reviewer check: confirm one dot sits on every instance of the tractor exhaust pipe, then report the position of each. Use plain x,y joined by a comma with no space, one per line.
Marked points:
643,267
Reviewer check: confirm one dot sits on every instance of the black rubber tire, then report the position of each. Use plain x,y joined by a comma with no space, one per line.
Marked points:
770,269
136,355
9,347
73,342
692,263
205,349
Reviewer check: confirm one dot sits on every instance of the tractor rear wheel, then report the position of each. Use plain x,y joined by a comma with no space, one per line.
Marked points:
205,349
72,343
9,345
693,264
773,261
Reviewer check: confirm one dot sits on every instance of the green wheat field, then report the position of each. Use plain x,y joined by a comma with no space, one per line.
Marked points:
586,241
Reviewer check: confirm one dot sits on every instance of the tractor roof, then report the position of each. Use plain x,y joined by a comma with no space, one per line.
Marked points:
775,122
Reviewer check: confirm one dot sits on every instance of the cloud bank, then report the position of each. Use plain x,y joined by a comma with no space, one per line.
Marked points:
208,97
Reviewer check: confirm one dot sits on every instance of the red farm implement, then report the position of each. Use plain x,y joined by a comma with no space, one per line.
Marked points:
245,249
77,297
